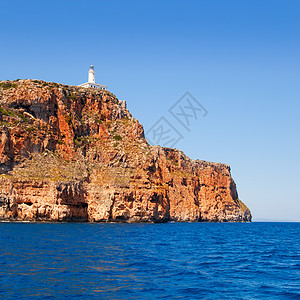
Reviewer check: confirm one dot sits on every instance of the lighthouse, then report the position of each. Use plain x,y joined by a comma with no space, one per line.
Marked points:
91,74
91,81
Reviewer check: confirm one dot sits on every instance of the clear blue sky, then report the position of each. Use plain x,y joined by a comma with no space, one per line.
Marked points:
239,59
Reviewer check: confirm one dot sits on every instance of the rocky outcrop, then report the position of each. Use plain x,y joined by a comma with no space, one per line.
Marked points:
76,154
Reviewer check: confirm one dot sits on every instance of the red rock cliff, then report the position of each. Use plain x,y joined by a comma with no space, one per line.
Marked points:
75,154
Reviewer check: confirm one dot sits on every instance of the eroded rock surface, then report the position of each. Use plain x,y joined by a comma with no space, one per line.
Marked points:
75,154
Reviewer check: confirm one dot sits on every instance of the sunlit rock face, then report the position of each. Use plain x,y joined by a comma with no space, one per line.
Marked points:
75,154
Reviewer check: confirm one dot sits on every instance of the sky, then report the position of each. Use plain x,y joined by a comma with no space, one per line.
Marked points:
239,60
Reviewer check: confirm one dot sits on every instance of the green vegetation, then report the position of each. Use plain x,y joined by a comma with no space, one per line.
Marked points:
55,84
117,137
172,161
5,124
51,167
68,119
73,96
7,85
30,129
126,121
12,113
6,112
79,141
20,115
108,123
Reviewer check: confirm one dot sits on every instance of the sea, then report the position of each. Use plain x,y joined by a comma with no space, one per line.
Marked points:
150,261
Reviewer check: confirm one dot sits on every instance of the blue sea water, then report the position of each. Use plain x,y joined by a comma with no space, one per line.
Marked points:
150,261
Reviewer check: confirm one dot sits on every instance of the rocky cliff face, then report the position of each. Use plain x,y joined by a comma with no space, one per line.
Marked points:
75,154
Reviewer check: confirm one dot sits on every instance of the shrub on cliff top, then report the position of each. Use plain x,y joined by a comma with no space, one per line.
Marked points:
7,85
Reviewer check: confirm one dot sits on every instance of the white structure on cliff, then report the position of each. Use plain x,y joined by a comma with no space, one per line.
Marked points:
91,81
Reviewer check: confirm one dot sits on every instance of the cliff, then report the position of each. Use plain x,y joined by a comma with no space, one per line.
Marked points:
76,154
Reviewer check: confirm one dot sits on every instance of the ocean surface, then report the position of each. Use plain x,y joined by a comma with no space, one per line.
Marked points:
150,261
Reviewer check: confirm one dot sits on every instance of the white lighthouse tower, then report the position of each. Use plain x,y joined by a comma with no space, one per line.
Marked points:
91,81
91,74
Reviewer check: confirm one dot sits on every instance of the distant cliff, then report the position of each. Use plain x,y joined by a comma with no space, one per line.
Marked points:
76,154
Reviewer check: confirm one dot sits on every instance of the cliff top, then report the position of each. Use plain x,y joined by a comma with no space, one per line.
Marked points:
14,94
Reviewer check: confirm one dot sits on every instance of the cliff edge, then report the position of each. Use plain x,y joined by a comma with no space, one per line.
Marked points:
74,154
